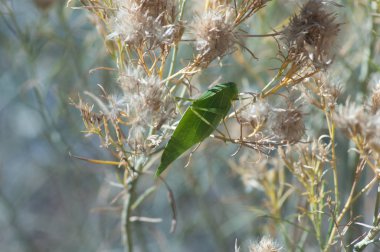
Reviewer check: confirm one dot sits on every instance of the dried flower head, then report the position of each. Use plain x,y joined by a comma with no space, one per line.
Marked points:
351,118
139,22
255,114
312,157
147,97
311,35
356,120
266,244
322,91
288,124
215,35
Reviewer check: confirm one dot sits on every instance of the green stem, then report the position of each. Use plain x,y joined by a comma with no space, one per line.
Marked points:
333,162
126,214
350,200
125,224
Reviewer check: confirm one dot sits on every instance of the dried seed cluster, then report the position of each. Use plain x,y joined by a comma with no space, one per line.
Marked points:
136,120
311,35
215,35
139,22
288,124
361,123
148,99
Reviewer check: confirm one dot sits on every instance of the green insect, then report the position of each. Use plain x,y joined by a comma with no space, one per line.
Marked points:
199,121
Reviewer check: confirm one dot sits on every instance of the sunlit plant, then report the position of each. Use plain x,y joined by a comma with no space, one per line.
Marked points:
160,112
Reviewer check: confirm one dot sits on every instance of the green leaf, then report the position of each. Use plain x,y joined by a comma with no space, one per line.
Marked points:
199,121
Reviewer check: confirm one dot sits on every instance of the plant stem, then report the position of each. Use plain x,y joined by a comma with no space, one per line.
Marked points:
346,207
175,50
125,224
125,215
366,188
375,230
333,159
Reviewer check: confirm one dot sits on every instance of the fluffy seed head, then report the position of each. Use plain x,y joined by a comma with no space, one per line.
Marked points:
134,82
215,36
256,114
146,97
288,124
266,244
311,35
141,21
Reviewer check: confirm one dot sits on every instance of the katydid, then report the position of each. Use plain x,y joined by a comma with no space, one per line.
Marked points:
199,121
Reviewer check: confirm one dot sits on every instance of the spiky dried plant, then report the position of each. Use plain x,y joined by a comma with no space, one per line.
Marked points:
310,36
149,23
144,38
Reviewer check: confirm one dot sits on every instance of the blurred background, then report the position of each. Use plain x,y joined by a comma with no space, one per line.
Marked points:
51,202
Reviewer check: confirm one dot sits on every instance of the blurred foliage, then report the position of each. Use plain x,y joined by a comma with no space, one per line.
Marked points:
50,202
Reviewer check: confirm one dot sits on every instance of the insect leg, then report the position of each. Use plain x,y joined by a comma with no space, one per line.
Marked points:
191,154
